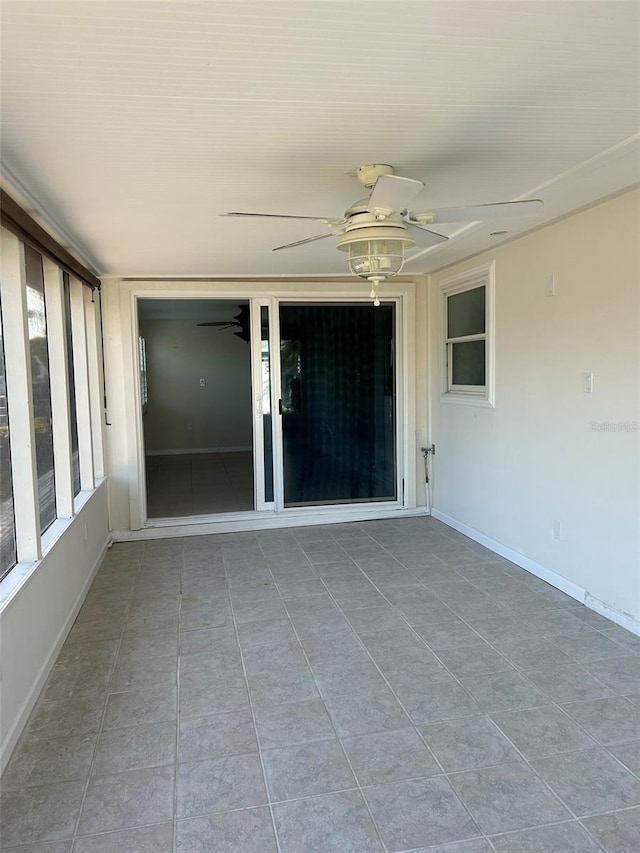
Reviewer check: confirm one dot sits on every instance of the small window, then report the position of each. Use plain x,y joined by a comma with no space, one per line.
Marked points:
468,337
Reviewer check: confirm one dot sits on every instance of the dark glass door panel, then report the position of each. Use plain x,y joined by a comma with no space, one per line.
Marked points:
338,403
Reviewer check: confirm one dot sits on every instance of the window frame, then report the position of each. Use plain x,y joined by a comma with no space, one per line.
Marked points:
470,395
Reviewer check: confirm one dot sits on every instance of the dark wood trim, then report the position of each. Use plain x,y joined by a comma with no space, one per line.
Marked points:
17,220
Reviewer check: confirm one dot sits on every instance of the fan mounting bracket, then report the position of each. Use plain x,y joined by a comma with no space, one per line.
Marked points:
368,175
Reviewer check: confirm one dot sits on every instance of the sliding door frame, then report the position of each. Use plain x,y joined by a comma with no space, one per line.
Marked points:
127,436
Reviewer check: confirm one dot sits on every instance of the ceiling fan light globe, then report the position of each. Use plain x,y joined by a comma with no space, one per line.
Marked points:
376,258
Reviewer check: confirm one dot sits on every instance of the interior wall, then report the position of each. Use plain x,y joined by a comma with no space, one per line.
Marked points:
549,452
35,621
183,415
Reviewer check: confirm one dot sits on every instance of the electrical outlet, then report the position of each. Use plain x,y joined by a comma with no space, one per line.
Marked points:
588,383
86,533
202,382
556,531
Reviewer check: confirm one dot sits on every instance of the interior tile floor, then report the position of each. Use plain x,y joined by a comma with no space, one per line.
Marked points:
381,686
199,484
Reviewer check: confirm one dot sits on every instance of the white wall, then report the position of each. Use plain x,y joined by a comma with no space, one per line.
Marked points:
183,415
507,473
36,619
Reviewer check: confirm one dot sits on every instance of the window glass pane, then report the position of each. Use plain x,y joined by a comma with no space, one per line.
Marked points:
40,387
468,366
466,313
71,384
142,364
8,555
266,404
338,403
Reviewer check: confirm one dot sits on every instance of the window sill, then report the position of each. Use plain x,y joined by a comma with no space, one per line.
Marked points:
467,400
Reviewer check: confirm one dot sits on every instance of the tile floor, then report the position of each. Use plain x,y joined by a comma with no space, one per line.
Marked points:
199,484
358,688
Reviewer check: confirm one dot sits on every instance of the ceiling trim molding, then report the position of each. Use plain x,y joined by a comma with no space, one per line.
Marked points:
14,218
15,188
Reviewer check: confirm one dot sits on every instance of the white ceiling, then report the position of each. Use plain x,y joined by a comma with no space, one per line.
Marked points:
132,125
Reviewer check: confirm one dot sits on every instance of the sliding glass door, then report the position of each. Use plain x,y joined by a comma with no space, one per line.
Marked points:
337,403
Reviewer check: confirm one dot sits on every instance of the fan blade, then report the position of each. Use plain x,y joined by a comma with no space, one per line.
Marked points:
328,220
477,212
392,194
424,237
308,240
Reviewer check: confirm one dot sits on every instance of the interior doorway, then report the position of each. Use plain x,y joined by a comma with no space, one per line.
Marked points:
196,399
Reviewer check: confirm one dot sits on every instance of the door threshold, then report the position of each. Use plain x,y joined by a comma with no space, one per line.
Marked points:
238,522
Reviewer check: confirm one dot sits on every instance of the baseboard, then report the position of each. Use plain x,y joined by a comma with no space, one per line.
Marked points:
540,571
187,451
13,735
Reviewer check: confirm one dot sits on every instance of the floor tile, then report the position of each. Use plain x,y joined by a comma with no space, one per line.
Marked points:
333,823
590,781
214,696
134,798
260,632
468,743
245,831
68,718
628,754
255,611
137,707
135,747
435,702
609,721
138,674
568,683
293,723
375,711
306,770
282,685
274,656
532,653
418,813
220,784
389,757
620,674
45,847
474,660
148,839
617,832
504,691
43,813
42,762
507,797
475,845
216,735
590,646
558,838
345,678
542,731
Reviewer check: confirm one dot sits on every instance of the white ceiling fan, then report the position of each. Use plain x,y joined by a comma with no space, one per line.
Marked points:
377,230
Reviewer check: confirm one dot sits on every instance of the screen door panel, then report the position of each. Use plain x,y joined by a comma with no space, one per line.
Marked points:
338,392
